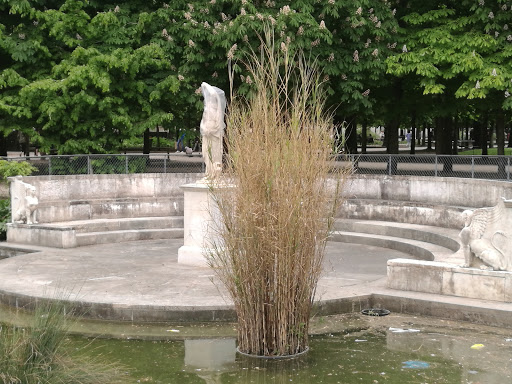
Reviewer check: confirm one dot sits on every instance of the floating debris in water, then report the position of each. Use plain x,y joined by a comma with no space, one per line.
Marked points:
173,330
415,364
477,346
375,312
402,330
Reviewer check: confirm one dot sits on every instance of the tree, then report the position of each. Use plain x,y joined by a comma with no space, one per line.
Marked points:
97,80
457,51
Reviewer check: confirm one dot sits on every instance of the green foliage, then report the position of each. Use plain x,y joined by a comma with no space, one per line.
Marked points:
88,76
461,48
5,216
15,168
119,164
75,165
40,354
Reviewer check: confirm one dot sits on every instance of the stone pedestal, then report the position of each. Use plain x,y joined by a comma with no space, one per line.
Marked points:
449,279
198,224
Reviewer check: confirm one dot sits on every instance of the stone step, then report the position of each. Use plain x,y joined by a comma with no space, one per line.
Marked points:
121,224
416,249
445,237
90,238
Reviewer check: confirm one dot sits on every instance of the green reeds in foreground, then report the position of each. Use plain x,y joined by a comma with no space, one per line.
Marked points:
278,213
41,354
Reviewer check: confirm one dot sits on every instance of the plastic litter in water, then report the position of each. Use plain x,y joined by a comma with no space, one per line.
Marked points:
415,364
402,330
477,346
173,330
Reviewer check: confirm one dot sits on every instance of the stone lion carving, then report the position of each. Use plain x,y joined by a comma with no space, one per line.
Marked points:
24,202
486,237
212,128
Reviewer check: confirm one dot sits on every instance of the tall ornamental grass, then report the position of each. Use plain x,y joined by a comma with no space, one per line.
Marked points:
41,353
276,202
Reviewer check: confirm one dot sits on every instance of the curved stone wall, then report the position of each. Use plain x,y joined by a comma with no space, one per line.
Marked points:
436,201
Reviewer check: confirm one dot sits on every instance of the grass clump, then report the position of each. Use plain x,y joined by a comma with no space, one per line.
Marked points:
277,216
41,353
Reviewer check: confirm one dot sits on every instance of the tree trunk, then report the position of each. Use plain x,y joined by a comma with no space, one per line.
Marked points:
147,143
429,139
351,135
500,132
484,137
364,137
491,134
392,136
3,146
443,135
455,137
413,133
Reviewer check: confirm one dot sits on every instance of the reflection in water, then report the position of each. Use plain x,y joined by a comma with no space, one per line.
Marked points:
441,355
209,358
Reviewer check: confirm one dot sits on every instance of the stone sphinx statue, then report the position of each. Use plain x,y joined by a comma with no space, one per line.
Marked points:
212,128
24,202
487,237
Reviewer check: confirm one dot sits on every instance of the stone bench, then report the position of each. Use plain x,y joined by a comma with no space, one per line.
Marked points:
403,211
83,210
70,234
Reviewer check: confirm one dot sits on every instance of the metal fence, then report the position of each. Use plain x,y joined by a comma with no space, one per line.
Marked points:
474,167
477,167
113,164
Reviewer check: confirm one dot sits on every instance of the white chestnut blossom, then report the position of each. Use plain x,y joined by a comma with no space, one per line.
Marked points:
356,56
404,49
477,85
285,10
232,50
